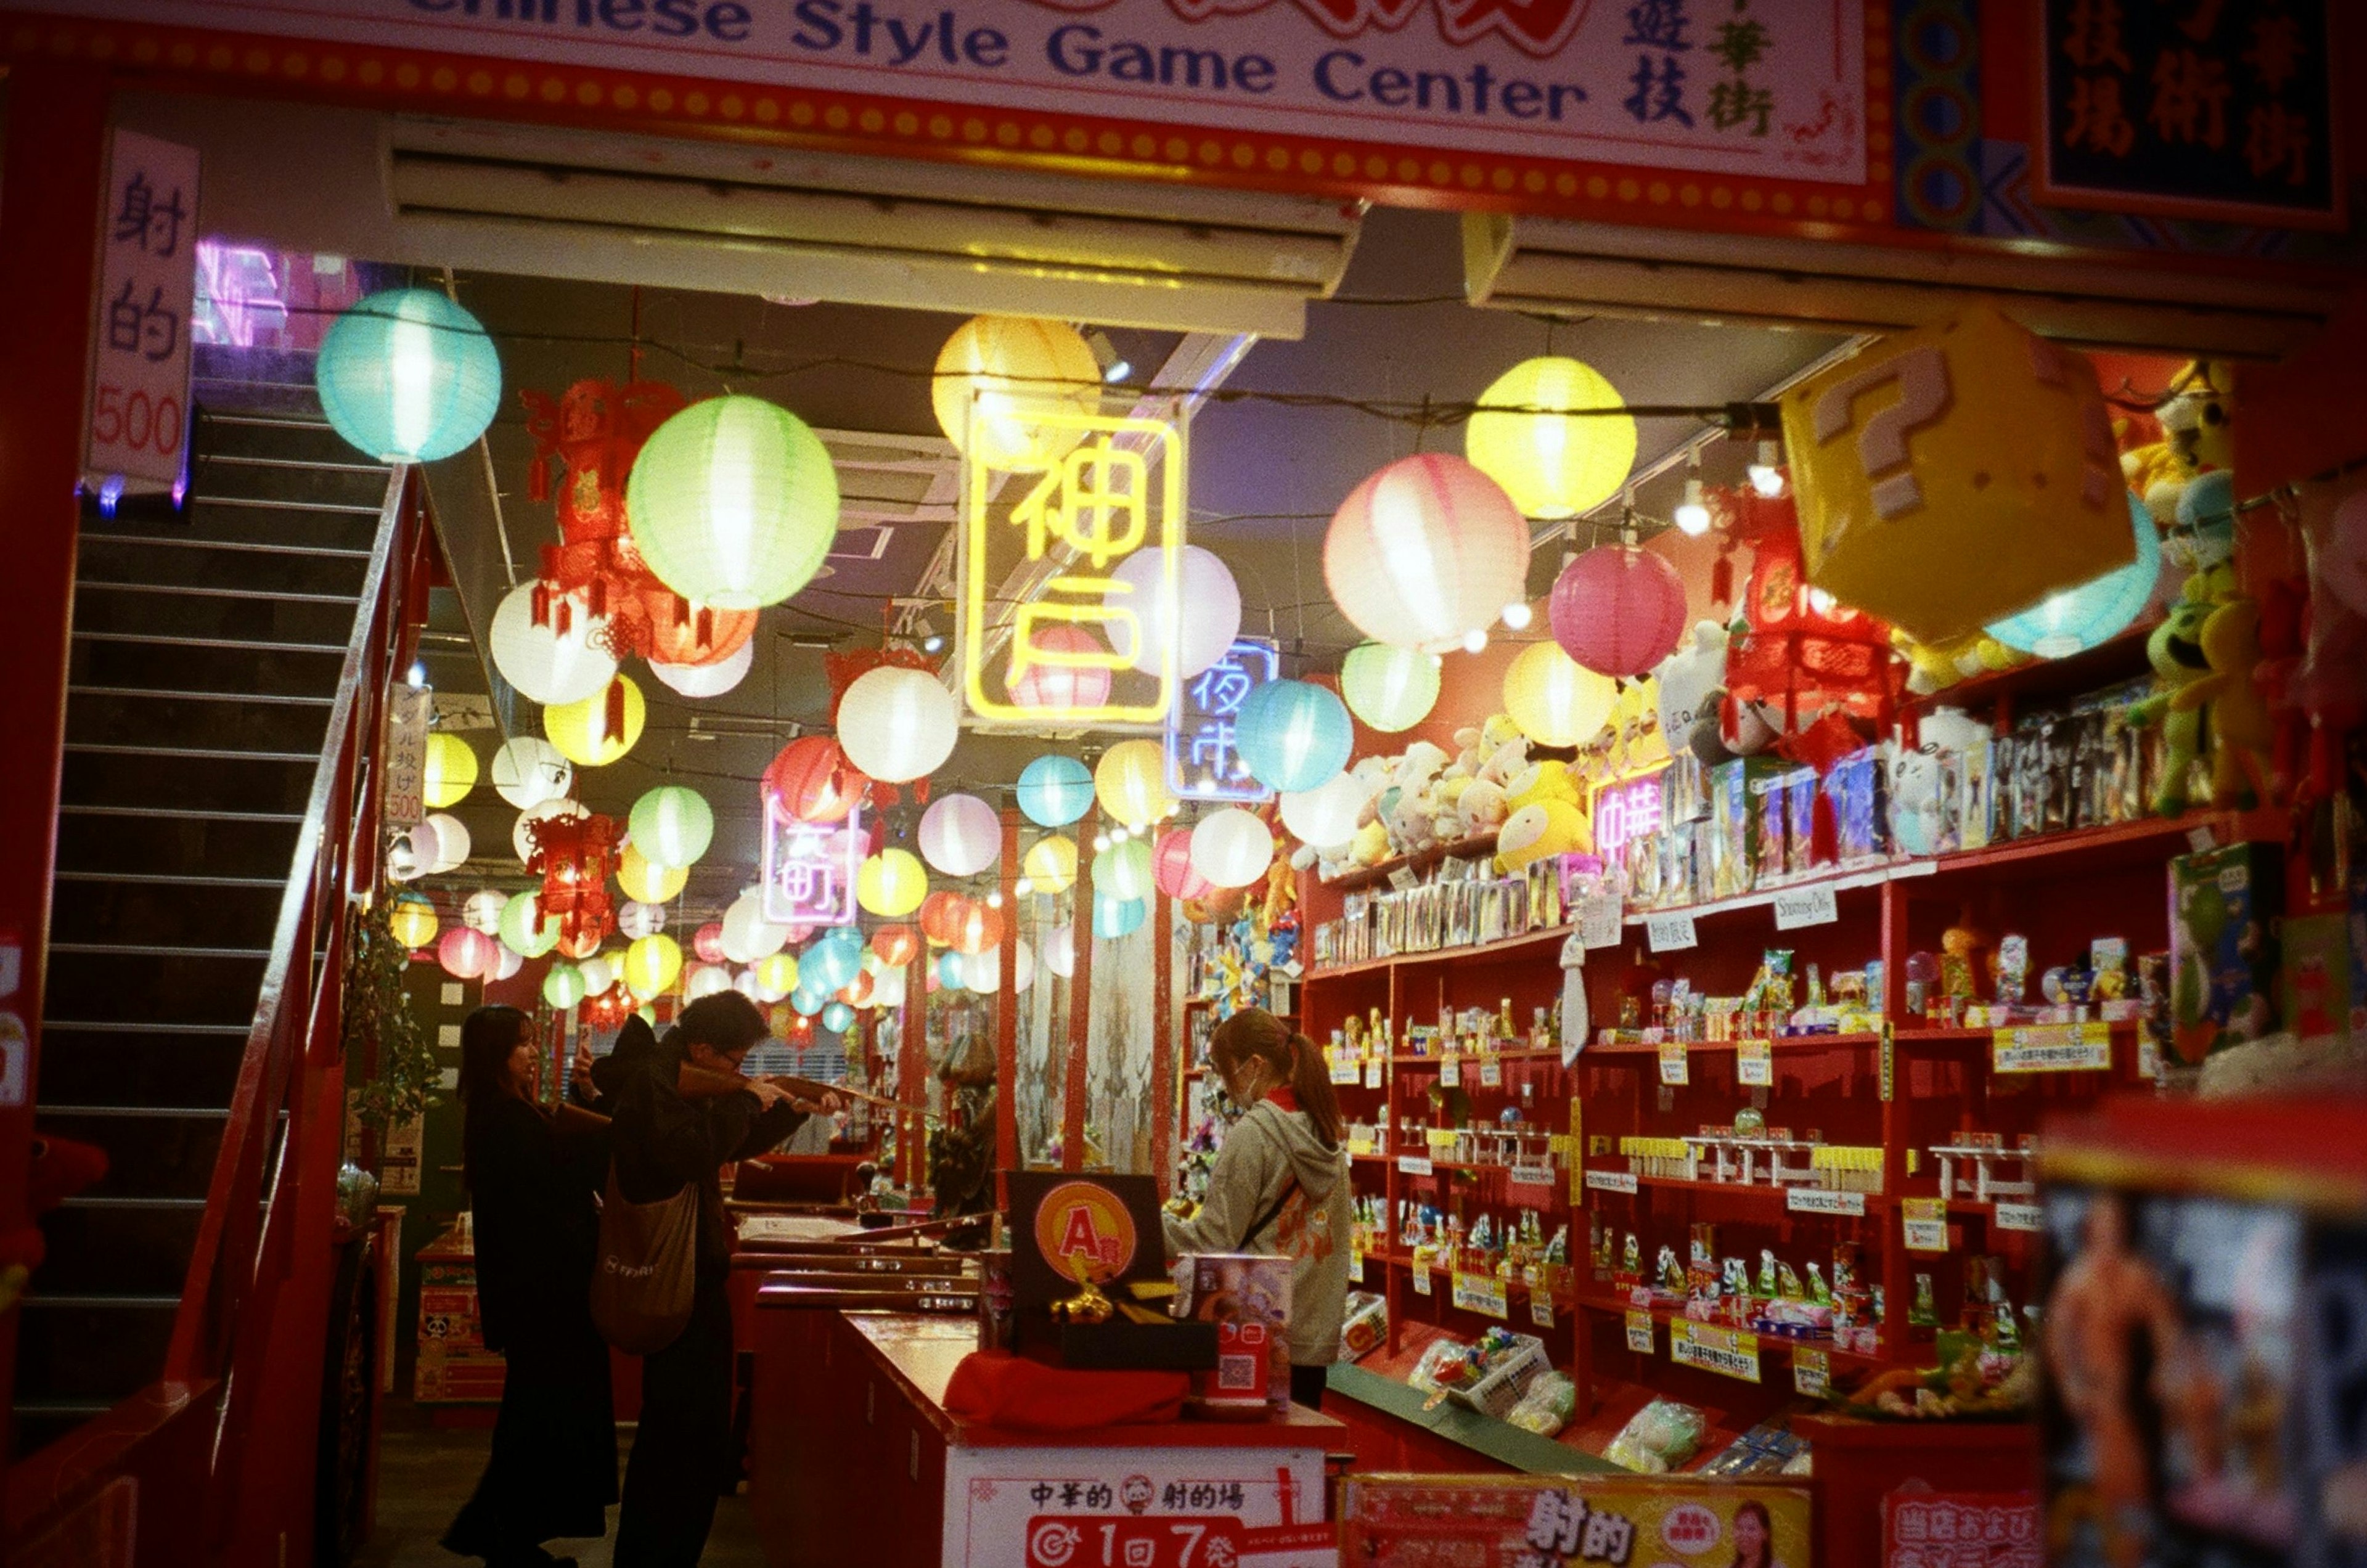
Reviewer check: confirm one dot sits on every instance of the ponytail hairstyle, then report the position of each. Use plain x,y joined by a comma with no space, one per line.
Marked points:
1291,1057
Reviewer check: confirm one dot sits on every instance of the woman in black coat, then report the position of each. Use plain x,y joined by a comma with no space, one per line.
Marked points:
532,1182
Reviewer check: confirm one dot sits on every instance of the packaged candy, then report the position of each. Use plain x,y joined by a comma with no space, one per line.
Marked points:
1800,822
1658,1438
1768,795
1548,1406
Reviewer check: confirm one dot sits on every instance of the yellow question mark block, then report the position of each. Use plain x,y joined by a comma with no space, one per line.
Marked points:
1951,476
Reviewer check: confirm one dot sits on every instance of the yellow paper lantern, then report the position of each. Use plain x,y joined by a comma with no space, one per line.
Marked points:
596,731
1555,700
646,882
449,772
777,976
996,378
1552,462
413,921
1952,476
652,966
891,884
1131,783
1051,863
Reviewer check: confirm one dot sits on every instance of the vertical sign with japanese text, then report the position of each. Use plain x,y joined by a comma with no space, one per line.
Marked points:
138,401
1203,763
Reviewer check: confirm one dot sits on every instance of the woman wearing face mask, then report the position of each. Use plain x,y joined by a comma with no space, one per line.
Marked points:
1280,1185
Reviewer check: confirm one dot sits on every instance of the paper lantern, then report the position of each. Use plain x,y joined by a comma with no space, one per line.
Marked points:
1115,918
952,970
522,835
637,919
1389,688
648,882
708,680
891,884
896,945
777,976
599,973
563,986
411,853
857,992
939,911
733,502
896,724
505,962
709,943
708,980
582,945
561,657
1062,688
466,955
997,377
451,843
1172,867
1552,461
408,376
672,826
1553,700
1054,790
1050,864
1231,847
1293,733
832,960
602,728
1424,551
1130,781
1618,610
413,921
1205,630
2095,612
813,779
1123,872
837,1017
1061,951
978,928
1955,475
449,772
524,929
747,936
651,964
530,770
482,912
1326,816
960,835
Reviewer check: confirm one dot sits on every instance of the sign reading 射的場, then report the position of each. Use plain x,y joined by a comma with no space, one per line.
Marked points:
1924,1222
2052,1048
1812,1371
1639,1331
1675,1064
1482,1293
1754,1063
1203,763
139,394
808,868
1053,1506
1729,1352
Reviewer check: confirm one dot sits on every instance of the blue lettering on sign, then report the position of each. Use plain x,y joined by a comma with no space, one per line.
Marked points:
725,21
1202,761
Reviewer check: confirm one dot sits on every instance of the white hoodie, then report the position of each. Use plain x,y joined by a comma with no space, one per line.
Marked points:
1264,1150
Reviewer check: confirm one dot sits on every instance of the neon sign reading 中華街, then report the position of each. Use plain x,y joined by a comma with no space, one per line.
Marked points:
1204,762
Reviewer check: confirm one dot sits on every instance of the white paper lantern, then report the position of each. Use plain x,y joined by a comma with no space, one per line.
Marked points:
412,854
530,770
599,973
1231,847
452,844
708,680
745,984
888,988
1212,609
637,919
982,972
707,980
1326,816
747,935
548,666
509,963
1061,951
898,724
482,912
522,838
961,835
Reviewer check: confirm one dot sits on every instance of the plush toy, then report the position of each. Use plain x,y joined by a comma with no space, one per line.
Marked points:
1481,807
61,1168
2241,728
1548,780
1690,684
1547,828
2175,651
2204,538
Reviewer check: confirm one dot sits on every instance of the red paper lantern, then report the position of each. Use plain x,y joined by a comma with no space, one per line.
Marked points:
1170,867
680,634
940,912
857,993
813,781
979,928
1058,687
896,945
468,954
1618,610
584,944
709,943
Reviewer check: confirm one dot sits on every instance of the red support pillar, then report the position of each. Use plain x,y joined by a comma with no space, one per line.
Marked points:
51,185
913,1071
1081,1001
1006,1014
1162,1042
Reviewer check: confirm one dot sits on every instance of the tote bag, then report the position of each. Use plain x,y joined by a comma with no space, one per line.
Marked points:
646,1273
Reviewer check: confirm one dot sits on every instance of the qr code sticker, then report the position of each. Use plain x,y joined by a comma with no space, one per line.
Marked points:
1237,1373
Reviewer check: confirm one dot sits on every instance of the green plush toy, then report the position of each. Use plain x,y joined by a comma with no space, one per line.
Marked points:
2175,650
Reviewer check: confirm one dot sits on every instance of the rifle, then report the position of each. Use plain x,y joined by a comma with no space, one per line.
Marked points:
704,1083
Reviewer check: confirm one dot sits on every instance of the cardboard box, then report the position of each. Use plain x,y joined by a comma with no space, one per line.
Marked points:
2225,904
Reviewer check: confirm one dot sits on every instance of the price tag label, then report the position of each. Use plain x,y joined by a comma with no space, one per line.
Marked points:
1491,1074
2053,1048
1531,1176
1598,921
1611,1180
1450,1072
1819,1200
2149,1055
1754,1063
1797,907
1373,1073
1422,1280
1639,1331
2019,1217
1925,1220
1670,933
1812,1372
1482,1293
1356,1267
1345,1073
1413,1164
2202,840
1675,1060
1541,1310
1729,1352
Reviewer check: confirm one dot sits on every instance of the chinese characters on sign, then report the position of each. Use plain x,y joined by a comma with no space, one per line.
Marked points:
1627,1521
2203,108
1954,1530
809,867
1136,1508
1625,809
139,349
1054,560
1202,763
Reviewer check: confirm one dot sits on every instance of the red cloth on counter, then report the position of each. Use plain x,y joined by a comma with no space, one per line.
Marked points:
994,1388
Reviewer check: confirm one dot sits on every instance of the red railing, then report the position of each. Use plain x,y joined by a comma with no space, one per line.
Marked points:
220,1451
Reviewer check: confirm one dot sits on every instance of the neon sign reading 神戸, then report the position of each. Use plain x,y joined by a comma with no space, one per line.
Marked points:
808,867
1203,763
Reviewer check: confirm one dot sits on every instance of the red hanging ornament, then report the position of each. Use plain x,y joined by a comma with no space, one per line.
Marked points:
585,444
575,856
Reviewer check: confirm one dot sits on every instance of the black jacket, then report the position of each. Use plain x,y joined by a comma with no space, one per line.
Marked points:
662,1142
538,1228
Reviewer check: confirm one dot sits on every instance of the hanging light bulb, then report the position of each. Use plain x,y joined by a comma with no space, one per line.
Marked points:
1517,616
1692,512
1765,477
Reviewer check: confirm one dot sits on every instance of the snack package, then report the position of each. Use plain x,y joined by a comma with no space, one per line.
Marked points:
1366,1326
1769,1449
1247,1297
1658,1438
1547,1408
1443,1360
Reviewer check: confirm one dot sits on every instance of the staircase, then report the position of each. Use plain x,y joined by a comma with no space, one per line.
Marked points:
207,652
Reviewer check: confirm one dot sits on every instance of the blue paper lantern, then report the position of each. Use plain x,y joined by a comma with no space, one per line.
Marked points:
1293,735
1054,790
838,1018
408,376
950,973
2094,612
1115,918
833,960
807,1003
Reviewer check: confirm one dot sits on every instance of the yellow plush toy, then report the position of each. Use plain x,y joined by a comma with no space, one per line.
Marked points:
1548,827
1541,782
2241,728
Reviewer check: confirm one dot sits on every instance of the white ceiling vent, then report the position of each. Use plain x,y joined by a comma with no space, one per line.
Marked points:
864,231
1524,263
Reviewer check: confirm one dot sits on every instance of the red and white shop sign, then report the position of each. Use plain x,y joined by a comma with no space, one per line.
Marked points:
140,344
1136,1508
1771,92
1957,1530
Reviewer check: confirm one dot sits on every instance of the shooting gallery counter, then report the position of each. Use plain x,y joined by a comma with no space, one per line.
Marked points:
853,1458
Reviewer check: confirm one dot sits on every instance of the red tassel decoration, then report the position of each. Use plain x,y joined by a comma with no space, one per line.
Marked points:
616,717
1824,833
1721,580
